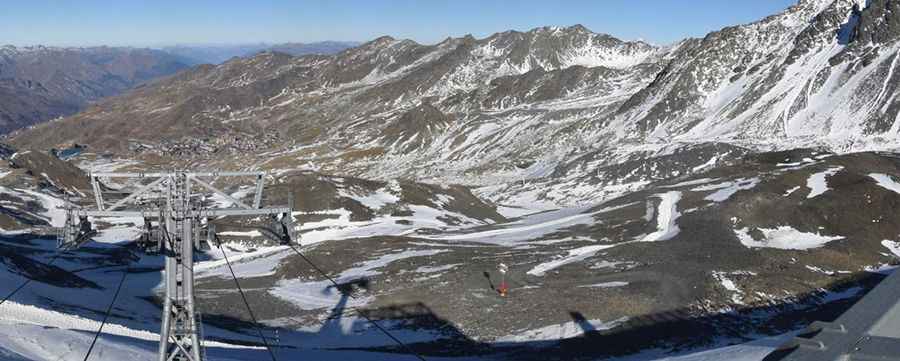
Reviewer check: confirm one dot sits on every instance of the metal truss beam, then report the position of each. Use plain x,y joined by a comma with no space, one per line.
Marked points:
179,219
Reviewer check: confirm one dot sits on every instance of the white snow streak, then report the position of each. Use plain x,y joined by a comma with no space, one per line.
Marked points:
667,214
818,183
727,189
614,284
575,255
784,237
894,246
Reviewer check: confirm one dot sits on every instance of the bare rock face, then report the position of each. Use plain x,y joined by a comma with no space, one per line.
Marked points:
879,23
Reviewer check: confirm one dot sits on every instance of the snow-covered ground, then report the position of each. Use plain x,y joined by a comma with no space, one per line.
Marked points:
784,237
666,215
575,255
885,181
527,228
727,189
312,295
47,322
817,183
36,329
132,330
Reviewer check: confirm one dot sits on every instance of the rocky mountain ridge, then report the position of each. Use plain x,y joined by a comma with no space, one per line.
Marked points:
39,83
536,105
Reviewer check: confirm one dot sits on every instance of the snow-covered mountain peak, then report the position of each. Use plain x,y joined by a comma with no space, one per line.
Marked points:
531,103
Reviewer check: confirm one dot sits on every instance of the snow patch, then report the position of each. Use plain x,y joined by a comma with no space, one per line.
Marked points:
893,246
314,295
666,215
886,181
514,212
562,331
727,189
55,208
528,228
575,255
247,262
784,237
729,285
691,183
817,183
377,200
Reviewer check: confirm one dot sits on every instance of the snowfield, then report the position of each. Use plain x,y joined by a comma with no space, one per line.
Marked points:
527,228
256,262
575,255
727,189
666,215
322,294
784,237
887,182
817,183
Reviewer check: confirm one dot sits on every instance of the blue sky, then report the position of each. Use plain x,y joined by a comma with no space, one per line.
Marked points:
164,22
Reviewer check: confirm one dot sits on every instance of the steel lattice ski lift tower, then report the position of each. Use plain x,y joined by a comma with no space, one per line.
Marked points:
180,216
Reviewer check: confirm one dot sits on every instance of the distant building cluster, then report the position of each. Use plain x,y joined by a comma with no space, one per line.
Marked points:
203,147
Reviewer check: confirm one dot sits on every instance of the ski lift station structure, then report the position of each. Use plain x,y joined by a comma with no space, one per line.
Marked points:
176,218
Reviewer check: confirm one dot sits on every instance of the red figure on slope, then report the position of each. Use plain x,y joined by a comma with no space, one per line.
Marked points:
504,288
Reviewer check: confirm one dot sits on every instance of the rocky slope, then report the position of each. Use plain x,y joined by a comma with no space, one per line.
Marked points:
815,74
375,94
41,83
657,199
758,247
516,105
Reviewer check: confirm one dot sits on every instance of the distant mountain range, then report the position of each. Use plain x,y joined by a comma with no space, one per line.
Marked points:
41,83
217,54
562,105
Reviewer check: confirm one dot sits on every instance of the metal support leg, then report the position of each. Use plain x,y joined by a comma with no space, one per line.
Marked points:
179,339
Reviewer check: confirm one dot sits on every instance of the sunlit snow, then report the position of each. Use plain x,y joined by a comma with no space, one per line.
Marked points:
784,237
818,182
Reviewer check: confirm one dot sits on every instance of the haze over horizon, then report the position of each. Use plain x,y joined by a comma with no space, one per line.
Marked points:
228,22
